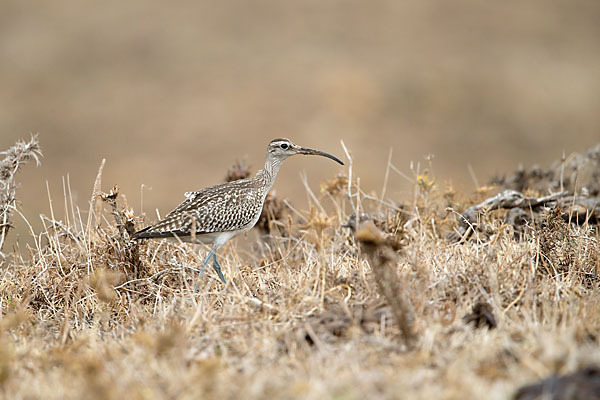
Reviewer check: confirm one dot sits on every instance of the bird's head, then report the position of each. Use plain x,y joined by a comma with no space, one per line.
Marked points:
283,148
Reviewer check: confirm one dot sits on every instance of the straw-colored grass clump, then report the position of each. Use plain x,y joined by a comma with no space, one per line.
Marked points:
315,309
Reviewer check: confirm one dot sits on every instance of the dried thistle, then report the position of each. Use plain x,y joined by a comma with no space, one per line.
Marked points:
383,262
237,171
125,221
16,156
336,185
319,222
274,209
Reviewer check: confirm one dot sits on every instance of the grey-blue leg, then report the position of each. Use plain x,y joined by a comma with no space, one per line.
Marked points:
205,262
217,268
212,254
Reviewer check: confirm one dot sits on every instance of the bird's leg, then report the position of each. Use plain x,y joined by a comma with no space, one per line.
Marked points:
205,262
212,254
217,268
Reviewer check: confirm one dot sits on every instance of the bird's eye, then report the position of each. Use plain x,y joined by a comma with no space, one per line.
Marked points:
284,146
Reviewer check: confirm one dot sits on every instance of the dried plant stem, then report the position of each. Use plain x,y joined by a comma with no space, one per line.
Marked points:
15,157
383,261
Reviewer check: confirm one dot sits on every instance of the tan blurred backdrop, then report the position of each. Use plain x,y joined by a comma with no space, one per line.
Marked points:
171,93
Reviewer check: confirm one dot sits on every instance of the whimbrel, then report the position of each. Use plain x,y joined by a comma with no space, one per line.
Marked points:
215,214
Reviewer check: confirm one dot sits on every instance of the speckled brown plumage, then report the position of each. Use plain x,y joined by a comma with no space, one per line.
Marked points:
226,207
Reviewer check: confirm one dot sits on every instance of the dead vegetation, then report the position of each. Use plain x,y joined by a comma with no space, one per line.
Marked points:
309,313
14,158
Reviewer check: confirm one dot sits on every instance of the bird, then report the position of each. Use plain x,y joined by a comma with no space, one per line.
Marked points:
216,214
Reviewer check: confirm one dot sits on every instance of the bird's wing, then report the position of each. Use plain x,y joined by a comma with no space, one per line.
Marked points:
209,210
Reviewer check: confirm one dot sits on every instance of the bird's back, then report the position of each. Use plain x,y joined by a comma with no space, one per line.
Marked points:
226,207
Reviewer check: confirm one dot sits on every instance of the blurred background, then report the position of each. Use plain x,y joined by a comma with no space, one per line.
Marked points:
172,93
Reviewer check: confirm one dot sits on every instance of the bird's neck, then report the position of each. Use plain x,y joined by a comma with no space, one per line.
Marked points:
269,172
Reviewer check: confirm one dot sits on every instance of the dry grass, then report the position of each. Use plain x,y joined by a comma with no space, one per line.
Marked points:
86,314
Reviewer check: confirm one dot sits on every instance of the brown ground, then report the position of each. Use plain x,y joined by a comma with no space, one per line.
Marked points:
308,312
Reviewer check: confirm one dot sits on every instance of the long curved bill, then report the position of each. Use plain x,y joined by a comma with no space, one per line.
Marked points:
304,150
